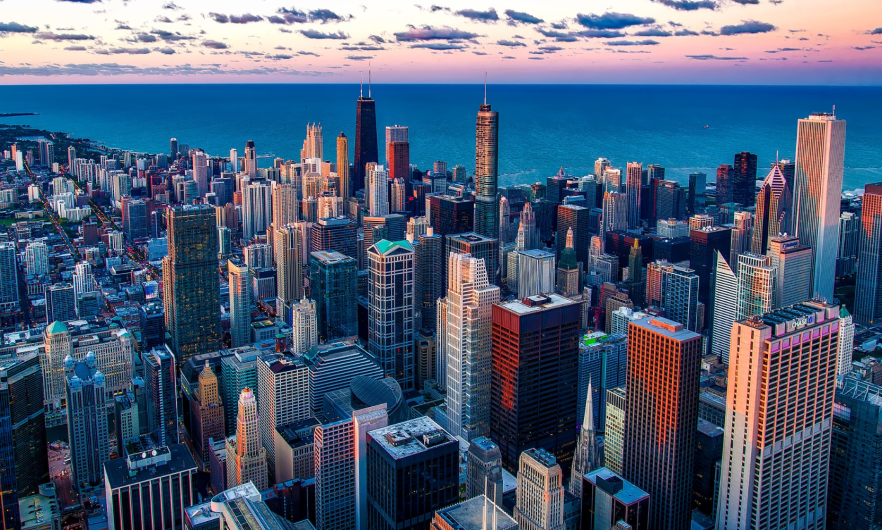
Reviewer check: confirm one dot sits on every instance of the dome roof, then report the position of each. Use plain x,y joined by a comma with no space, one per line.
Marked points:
98,378
91,360
68,362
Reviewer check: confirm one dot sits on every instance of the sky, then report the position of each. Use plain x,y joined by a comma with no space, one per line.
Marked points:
811,42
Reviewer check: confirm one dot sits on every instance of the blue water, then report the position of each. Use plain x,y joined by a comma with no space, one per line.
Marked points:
542,127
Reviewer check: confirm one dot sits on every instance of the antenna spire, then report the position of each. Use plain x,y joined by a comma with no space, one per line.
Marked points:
777,157
485,89
369,80
361,90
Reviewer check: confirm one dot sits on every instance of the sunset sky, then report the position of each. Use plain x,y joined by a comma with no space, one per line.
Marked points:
616,41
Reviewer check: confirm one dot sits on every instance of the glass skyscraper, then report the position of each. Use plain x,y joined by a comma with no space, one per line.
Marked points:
486,172
334,283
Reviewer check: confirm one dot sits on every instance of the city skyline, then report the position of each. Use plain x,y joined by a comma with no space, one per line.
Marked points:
636,41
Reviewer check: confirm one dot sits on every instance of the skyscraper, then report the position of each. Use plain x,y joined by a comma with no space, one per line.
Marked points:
484,470
540,502
391,309
378,188
723,306
240,303
162,396
680,287
633,184
773,209
614,435
779,359
246,457
173,148
334,284
61,304
288,242
466,339
398,160
569,271
37,258
757,286
313,146
794,263
663,358
740,236
868,303
725,176
257,207
304,329
430,259
8,278
283,396
86,421
535,272
703,246
744,180
190,282
207,414
199,161
486,171
285,204
234,161
585,458
695,198
577,218
820,155
343,166
250,159
615,212
365,138
535,346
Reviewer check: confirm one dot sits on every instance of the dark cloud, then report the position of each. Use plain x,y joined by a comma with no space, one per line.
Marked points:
599,34
559,25
480,53
114,69
124,51
864,48
688,5
432,33
81,1
301,52
290,16
122,25
219,17
245,19
747,27
612,20
747,2
315,34
166,51
653,32
359,57
675,24
278,56
296,16
550,49
15,27
326,15
171,5
169,36
378,39
215,45
715,58
480,16
438,46
519,16
510,43
183,18
877,31
536,58
647,42
48,35
362,48
685,33
162,20
75,48
559,36
782,50
143,37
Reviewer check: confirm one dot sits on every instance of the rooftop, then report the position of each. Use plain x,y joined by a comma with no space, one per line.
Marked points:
628,494
119,475
536,303
668,328
411,437
470,515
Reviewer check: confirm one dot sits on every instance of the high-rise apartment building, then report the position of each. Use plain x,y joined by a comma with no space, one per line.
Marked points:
207,414
794,263
540,503
680,288
820,156
744,179
703,246
774,205
633,185
289,242
391,309
343,166
535,346
868,292
283,396
190,282
723,307
776,453
614,435
313,147
576,218
535,273
466,343
334,447
741,232
615,212
162,396
285,204
246,456
8,278
37,258
450,215
86,421
240,303
257,207
250,159
663,358
377,195
846,342
486,171
60,303
334,285
365,138
413,456
304,328
725,176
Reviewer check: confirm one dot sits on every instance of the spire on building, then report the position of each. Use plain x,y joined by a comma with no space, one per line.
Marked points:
585,458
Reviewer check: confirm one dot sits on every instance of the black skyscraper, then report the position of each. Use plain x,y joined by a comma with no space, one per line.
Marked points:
744,181
365,138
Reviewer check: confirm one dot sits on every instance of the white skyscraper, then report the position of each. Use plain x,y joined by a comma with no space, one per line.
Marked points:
820,155
288,241
794,263
615,212
200,171
240,303
779,414
304,327
535,272
741,234
234,161
396,201
725,296
286,204
313,146
846,342
246,457
283,398
257,207
37,258
378,187
540,502
470,299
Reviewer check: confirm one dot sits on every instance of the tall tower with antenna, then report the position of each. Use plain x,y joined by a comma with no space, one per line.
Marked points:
486,169
365,135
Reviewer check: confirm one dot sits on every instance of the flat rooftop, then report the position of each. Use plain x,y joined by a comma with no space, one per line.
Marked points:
470,515
411,437
668,328
629,493
117,470
536,303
